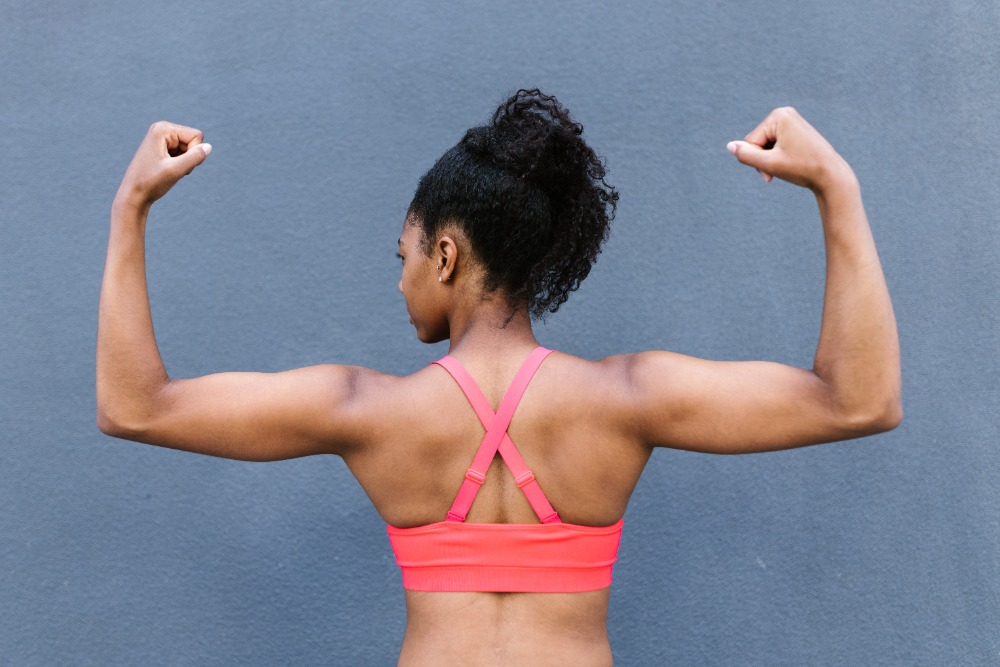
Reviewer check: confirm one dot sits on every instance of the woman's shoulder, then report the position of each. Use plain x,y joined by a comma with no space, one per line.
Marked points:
561,381
592,376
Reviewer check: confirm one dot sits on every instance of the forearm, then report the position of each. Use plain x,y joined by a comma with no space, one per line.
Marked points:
858,350
129,368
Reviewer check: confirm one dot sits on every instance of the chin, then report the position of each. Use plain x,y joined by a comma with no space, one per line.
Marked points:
431,337
431,340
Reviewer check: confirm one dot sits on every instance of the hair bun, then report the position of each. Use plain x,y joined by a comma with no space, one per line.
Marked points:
531,196
531,136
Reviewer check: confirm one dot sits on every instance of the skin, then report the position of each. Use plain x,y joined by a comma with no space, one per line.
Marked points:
586,428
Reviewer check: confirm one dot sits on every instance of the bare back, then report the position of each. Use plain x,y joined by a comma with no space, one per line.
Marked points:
571,433
585,428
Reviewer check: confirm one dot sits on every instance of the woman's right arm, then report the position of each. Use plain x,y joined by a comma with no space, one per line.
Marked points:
854,387
238,415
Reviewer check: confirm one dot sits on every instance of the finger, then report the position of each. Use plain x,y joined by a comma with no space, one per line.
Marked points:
765,133
754,156
191,158
189,135
177,136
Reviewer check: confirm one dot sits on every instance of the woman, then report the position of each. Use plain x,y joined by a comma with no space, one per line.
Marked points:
501,229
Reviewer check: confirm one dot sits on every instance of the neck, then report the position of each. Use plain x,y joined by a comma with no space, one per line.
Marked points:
489,326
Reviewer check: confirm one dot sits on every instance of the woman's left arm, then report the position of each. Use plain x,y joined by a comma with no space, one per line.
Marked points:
246,416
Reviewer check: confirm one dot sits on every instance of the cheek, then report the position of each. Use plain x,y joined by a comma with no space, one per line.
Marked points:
404,278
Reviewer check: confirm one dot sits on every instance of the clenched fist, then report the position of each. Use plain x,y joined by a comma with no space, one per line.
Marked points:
167,154
786,146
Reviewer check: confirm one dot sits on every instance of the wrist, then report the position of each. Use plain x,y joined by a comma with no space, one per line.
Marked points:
836,177
127,198
126,205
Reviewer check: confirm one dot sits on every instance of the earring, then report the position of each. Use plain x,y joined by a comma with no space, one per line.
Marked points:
439,267
439,278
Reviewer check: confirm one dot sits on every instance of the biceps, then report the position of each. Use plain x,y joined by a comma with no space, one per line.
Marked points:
251,416
734,407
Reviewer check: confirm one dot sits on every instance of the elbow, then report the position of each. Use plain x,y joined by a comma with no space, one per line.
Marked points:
124,416
107,425
102,424
887,417
893,416
115,427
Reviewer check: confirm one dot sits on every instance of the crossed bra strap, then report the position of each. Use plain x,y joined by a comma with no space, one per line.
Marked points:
496,438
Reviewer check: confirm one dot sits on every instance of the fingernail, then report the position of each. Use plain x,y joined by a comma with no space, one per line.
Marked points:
731,147
207,148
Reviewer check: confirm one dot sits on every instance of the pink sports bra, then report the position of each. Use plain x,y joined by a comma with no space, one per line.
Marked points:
546,557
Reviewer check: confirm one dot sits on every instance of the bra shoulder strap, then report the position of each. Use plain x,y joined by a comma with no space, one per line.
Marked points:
497,439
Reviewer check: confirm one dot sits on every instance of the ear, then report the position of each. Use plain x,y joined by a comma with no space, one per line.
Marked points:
446,256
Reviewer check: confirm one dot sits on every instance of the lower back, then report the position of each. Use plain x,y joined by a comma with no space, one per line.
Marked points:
506,629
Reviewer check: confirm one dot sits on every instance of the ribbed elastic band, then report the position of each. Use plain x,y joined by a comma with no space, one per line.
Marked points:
508,579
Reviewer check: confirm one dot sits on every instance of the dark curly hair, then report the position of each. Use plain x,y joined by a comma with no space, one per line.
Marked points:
529,194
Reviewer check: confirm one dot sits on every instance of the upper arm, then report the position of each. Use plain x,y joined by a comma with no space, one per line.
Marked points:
735,407
254,416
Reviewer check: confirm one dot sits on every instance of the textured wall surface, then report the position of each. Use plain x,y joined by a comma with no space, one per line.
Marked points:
278,253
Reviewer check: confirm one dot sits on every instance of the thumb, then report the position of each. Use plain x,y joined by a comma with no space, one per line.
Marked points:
752,155
191,158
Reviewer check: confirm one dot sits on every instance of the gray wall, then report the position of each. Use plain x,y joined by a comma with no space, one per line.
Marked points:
278,253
